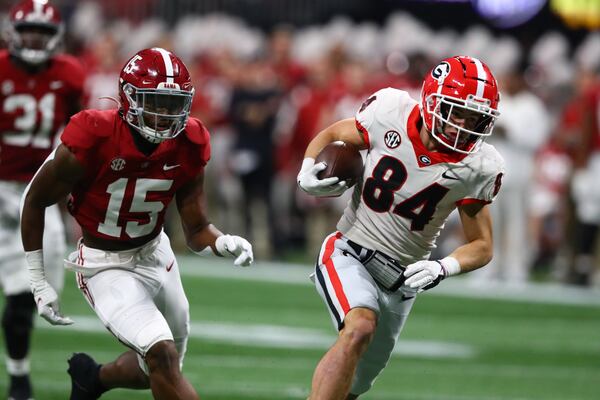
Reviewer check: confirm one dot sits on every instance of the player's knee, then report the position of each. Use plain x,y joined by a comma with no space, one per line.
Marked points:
18,312
163,358
359,331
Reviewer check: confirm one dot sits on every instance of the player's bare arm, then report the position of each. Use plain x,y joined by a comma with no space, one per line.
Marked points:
476,253
344,130
200,233
477,226
51,184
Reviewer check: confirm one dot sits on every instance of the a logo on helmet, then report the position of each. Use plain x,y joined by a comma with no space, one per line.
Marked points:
168,85
441,71
117,164
131,64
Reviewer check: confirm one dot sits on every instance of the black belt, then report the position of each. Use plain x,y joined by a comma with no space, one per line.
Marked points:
385,270
356,247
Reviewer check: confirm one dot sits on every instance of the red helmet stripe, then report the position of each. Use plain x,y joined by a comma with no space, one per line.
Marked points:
168,64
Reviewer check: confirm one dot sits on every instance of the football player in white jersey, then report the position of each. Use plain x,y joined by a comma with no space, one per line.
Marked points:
424,159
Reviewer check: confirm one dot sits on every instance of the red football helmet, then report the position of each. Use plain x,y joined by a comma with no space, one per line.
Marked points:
459,103
156,94
34,31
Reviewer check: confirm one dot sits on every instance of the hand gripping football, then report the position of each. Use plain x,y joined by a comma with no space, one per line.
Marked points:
343,160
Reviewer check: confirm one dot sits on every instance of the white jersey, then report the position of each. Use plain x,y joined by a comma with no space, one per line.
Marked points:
407,192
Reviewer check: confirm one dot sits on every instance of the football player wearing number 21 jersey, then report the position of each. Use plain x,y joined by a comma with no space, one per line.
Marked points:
122,168
424,159
39,91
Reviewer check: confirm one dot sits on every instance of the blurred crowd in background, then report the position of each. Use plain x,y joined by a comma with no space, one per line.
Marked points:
264,94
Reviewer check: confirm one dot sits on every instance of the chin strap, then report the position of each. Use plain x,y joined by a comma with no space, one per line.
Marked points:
111,98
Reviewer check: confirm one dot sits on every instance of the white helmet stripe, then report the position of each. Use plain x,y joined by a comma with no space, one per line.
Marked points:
168,63
482,76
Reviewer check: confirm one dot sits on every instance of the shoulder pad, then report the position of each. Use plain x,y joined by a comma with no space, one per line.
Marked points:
196,132
96,122
492,161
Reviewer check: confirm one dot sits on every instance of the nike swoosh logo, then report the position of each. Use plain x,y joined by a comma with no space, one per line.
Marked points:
168,167
170,266
454,177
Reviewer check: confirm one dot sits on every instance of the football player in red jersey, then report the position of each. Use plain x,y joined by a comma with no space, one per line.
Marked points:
122,168
39,91
424,160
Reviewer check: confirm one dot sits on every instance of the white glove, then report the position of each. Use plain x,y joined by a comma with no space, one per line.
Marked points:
236,247
308,181
424,275
45,296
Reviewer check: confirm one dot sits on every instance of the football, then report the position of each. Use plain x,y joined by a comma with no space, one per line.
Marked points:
343,160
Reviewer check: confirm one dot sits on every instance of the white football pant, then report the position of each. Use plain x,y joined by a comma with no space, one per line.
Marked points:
137,294
14,277
344,284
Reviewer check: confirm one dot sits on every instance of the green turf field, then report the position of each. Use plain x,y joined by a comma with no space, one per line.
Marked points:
258,333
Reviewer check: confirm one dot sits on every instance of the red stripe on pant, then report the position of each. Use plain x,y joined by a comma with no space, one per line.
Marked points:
333,276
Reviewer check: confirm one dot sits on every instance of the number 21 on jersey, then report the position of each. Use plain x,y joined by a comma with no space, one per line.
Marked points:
139,204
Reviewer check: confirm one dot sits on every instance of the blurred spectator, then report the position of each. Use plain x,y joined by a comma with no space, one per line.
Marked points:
521,130
254,105
552,216
313,105
290,72
104,66
311,75
586,190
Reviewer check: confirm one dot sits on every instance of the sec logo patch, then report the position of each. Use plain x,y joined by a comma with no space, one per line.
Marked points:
392,139
117,164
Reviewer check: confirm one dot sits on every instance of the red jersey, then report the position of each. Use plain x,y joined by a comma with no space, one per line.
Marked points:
592,99
124,193
34,107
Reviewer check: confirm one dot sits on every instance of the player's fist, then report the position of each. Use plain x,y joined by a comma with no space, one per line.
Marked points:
235,246
424,275
311,184
48,308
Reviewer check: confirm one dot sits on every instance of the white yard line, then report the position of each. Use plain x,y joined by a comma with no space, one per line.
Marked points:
276,336
295,274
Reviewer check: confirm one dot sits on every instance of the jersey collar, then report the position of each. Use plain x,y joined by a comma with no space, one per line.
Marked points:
426,157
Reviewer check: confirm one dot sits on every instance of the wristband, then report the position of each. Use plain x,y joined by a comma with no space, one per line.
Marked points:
450,265
35,265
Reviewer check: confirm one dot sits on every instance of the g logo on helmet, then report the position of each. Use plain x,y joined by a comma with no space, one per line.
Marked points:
441,71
